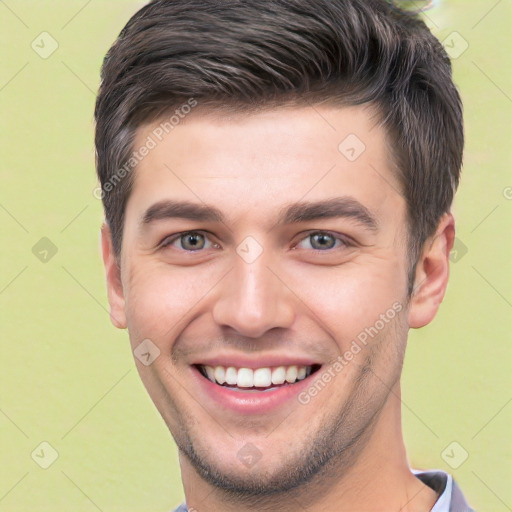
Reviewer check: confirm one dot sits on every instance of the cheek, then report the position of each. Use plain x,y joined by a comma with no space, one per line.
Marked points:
160,299
352,297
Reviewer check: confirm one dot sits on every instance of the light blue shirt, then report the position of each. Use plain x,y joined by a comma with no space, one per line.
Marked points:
450,498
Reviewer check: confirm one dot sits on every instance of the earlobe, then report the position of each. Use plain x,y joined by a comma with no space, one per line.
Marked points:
432,272
113,279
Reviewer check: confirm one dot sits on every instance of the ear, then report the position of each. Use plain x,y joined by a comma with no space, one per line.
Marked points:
432,272
113,277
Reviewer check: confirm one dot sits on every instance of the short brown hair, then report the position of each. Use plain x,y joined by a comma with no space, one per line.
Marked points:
265,53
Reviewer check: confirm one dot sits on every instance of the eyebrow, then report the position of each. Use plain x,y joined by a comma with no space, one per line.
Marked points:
183,210
338,207
328,209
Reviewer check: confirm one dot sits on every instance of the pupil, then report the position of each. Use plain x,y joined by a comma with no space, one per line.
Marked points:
193,240
322,239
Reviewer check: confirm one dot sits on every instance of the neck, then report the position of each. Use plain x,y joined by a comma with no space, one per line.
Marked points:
378,481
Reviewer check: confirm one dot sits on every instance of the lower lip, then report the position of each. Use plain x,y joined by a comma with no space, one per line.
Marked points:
250,402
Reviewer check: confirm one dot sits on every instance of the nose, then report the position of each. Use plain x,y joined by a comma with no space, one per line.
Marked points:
253,298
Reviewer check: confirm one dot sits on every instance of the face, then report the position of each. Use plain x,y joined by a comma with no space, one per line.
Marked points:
269,250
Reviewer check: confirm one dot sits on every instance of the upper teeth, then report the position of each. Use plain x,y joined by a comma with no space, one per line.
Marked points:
259,377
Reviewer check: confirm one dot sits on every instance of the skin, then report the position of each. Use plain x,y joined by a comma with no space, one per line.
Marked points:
344,449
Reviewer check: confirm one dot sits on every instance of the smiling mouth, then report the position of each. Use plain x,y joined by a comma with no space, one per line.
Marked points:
257,379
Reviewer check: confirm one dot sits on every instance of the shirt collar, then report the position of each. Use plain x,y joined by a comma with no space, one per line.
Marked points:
450,498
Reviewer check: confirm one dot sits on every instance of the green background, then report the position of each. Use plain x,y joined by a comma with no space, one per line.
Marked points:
68,376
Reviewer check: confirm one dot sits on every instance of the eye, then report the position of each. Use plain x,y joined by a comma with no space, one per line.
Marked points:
322,241
189,241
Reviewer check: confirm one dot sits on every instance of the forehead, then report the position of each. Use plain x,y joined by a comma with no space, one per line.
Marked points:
265,159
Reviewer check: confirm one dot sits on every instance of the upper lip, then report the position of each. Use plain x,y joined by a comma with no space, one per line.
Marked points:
246,361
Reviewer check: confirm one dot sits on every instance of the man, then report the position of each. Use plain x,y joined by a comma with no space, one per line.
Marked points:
277,178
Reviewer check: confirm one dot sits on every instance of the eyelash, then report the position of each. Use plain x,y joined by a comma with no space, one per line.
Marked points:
345,241
170,240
